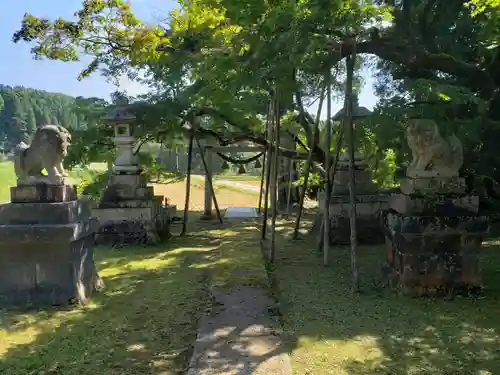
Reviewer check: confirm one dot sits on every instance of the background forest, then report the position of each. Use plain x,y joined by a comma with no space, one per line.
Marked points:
22,110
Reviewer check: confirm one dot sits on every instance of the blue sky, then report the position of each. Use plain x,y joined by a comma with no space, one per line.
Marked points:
17,67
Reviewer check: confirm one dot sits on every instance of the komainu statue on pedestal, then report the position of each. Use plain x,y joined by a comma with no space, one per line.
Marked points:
432,154
47,151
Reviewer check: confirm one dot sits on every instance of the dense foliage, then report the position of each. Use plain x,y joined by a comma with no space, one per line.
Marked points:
22,110
221,61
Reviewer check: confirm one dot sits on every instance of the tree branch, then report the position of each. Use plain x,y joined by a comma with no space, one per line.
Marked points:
415,56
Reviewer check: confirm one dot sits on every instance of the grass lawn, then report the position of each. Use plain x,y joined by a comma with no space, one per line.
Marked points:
241,178
77,175
330,331
143,323
146,319
237,189
8,178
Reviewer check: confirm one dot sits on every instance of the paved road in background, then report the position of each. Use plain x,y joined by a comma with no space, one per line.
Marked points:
234,184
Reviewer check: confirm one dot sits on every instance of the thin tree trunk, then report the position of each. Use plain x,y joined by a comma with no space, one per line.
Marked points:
352,177
110,169
177,159
269,151
289,187
326,207
276,160
209,179
263,168
314,137
262,177
188,185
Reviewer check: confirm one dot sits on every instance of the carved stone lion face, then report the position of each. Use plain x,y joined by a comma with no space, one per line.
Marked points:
423,131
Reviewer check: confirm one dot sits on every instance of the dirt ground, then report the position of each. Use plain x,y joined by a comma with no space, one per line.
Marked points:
251,182
176,193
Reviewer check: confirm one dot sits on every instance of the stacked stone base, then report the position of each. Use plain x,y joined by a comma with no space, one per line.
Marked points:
130,214
368,230
369,205
434,240
133,222
442,260
42,193
46,252
368,220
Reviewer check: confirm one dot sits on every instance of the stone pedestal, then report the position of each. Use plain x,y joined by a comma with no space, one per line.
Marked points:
42,193
46,249
130,214
369,205
433,236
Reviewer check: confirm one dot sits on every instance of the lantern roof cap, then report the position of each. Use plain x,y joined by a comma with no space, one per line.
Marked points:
357,111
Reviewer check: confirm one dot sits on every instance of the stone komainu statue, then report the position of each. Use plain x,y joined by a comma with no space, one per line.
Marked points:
47,151
431,152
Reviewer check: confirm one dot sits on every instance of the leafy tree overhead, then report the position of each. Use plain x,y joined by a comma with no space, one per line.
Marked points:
222,61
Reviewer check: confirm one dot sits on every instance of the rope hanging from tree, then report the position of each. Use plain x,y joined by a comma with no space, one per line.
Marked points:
239,161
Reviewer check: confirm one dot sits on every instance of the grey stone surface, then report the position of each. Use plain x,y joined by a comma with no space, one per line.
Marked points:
435,253
433,185
49,146
241,213
434,204
128,211
128,179
240,338
171,210
44,213
368,212
363,182
47,264
47,232
42,193
369,230
133,222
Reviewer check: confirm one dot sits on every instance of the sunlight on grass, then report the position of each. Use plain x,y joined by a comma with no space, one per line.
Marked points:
24,328
313,354
8,178
236,189
144,321
239,260
240,178
156,262
491,242
331,331
39,322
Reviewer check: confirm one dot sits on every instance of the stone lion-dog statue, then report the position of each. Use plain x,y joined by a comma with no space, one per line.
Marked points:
432,154
47,151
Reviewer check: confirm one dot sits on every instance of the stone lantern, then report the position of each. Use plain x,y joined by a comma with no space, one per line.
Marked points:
358,112
128,212
121,119
369,202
